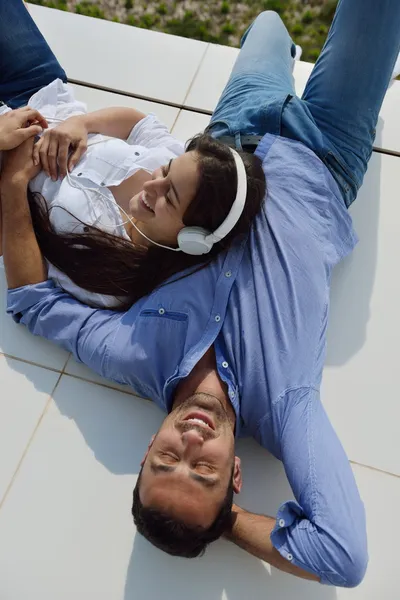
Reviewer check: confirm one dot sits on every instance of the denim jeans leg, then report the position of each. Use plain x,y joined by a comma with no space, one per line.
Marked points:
261,74
347,86
26,62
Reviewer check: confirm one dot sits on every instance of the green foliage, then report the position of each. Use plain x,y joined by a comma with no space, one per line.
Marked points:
297,29
190,27
90,10
147,21
307,17
328,10
225,8
278,6
228,28
131,20
162,9
313,54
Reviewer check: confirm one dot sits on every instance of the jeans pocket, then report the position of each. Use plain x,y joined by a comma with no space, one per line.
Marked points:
343,177
218,128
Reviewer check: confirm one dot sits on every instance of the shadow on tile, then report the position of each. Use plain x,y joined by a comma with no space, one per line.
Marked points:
353,279
118,427
225,571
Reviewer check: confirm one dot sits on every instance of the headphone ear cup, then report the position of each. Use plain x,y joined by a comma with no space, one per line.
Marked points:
193,240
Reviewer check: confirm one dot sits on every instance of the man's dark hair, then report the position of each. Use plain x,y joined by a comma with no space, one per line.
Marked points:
173,535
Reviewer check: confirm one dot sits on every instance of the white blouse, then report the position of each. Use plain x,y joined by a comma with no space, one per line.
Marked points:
107,162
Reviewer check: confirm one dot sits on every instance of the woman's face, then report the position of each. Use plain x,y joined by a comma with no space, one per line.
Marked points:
160,206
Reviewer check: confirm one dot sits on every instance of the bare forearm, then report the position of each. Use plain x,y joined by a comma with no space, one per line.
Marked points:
252,533
114,122
23,260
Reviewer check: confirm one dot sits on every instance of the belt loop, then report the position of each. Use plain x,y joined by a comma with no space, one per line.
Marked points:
238,141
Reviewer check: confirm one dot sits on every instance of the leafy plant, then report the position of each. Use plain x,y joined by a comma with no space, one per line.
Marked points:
90,10
225,8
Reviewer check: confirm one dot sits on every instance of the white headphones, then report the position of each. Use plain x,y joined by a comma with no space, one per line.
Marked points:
197,240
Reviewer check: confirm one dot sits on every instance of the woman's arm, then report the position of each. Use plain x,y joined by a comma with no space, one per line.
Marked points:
114,122
62,147
23,260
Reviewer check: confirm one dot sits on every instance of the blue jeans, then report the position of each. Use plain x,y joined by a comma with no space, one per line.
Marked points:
337,114
26,62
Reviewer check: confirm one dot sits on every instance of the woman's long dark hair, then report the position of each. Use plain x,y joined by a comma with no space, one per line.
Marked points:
107,264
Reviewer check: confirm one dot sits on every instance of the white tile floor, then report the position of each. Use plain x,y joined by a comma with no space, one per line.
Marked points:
71,443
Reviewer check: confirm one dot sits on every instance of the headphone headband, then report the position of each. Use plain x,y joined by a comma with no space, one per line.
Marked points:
238,205
197,240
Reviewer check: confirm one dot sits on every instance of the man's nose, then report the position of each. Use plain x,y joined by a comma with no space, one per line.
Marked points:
192,438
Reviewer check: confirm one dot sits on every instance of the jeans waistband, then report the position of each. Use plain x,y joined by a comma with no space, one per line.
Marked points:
249,142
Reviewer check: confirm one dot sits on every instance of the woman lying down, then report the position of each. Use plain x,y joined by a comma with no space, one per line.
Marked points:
112,190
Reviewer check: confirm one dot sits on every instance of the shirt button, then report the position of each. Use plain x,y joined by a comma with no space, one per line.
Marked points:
161,311
217,318
228,274
231,394
86,229
79,174
289,557
281,523
225,364
137,153
103,183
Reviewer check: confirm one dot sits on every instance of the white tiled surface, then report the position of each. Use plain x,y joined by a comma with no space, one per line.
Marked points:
67,516
189,123
16,341
80,370
120,57
361,378
24,392
97,99
217,65
65,524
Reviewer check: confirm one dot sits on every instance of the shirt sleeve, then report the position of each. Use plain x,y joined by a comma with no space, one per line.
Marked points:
151,133
324,532
49,312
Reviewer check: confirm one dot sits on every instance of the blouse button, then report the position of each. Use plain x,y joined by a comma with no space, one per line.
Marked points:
281,523
137,153
86,229
228,274
290,556
79,174
161,311
217,318
225,364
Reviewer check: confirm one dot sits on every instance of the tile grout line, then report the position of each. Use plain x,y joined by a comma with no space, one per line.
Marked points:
132,393
196,73
353,462
30,440
34,364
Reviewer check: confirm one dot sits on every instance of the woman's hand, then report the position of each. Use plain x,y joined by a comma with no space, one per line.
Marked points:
18,167
18,125
60,148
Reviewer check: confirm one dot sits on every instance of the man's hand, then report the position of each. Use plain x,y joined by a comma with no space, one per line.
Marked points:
18,166
60,148
19,125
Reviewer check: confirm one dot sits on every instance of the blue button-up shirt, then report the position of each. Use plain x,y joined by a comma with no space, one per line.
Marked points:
264,305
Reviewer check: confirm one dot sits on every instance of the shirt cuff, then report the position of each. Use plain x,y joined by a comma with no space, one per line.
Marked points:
288,540
21,299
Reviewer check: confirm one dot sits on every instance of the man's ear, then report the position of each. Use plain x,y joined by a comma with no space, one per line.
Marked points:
153,437
237,476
